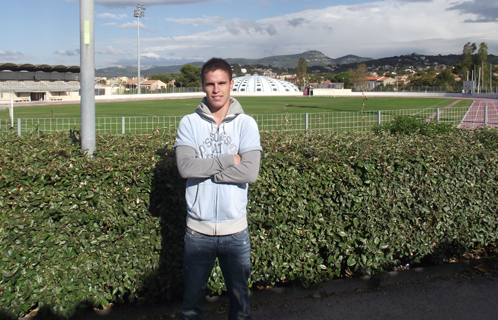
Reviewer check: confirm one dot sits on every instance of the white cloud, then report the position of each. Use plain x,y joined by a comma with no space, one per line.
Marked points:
69,53
111,16
295,22
234,26
376,29
372,29
204,20
151,55
13,55
483,10
132,25
133,3
250,27
109,50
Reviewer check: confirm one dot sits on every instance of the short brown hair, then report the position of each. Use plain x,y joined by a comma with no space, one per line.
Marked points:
214,64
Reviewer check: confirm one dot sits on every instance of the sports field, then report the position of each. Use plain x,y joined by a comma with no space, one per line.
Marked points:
271,113
251,105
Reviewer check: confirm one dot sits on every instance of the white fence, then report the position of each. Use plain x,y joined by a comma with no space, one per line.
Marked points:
294,122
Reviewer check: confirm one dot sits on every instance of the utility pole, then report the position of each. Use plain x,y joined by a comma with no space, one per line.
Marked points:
87,76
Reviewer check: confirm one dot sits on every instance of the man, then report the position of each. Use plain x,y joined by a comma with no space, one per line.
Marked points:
218,149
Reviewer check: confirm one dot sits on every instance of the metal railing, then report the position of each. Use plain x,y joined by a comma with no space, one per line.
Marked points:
424,89
292,122
121,90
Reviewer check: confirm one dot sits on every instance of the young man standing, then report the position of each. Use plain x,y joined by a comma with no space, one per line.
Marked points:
218,149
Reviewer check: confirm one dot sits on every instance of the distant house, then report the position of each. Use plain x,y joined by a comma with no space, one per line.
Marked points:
403,78
122,79
153,85
370,83
291,79
131,84
330,85
150,85
106,89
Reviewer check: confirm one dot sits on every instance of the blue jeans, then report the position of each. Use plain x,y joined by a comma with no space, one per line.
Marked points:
200,252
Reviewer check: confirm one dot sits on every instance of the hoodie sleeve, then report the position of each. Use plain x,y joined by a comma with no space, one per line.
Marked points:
190,166
250,152
245,172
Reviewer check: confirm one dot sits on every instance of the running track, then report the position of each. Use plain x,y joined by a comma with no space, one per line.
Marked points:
475,115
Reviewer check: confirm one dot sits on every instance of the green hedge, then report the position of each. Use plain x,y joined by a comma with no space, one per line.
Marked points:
78,233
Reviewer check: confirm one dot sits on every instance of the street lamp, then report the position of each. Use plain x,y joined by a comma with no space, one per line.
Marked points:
138,13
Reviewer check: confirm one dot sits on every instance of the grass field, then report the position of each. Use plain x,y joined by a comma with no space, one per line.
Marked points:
271,113
251,105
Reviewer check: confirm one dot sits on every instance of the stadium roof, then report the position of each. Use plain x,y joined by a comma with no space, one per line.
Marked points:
40,67
256,83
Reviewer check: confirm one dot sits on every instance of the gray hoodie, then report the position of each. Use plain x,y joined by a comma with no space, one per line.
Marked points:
216,192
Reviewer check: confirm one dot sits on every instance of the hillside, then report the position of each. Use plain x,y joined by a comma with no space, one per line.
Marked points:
131,71
314,59
413,61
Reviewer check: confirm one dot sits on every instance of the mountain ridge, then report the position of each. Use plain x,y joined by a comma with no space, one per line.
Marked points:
314,58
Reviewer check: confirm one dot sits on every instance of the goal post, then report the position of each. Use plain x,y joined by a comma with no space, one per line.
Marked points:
10,104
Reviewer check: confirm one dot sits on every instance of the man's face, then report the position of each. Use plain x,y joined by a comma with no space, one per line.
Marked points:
217,87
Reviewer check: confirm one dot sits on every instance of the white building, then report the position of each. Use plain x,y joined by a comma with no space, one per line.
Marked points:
262,84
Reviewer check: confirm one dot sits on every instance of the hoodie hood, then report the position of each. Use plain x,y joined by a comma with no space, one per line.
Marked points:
234,110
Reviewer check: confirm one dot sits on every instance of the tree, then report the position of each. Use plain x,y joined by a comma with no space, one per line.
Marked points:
316,78
482,63
467,60
301,73
358,76
420,73
445,79
164,77
190,76
342,77
427,79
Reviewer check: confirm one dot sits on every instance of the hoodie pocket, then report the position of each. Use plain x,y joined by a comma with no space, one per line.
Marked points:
200,196
232,202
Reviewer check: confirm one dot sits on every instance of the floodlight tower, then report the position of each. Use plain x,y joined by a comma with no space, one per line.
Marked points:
139,13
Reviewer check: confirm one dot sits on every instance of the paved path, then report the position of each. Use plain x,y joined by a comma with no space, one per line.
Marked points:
465,290
415,294
475,117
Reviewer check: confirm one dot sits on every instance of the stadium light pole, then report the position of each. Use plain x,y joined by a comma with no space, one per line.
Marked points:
138,13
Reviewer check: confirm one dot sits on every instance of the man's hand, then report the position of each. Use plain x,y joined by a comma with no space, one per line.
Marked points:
236,159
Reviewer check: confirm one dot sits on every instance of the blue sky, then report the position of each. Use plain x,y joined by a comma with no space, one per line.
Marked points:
181,31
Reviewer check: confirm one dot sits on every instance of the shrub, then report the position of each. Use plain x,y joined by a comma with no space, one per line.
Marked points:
78,232
411,125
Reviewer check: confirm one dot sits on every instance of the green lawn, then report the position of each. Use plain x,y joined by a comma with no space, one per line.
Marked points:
251,105
271,113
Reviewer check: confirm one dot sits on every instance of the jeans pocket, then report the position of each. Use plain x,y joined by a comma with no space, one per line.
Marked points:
193,234
241,236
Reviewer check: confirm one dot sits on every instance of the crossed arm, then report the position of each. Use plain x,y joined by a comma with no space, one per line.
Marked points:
243,168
